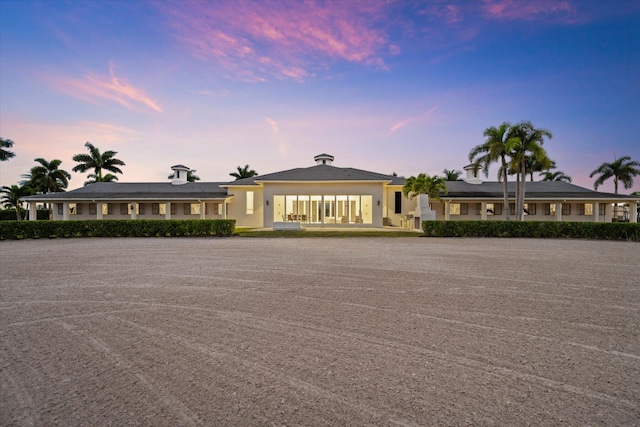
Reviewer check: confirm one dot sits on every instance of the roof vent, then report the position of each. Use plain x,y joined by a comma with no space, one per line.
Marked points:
473,176
323,159
179,174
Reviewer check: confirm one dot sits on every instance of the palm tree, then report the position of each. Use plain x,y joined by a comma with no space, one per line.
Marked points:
493,150
12,196
555,176
191,176
6,154
47,177
451,175
97,161
621,170
526,143
244,172
425,184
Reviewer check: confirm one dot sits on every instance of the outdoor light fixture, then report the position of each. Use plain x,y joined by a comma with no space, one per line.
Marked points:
378,202
267,202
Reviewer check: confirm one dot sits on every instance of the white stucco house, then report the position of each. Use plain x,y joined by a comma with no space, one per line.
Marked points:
324,195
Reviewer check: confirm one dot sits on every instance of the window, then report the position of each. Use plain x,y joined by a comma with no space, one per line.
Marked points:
60,206
79,209
194,208
530,208
186,208
602,209
93,209
585,209
454,208
478,208
72,208
174,208
494,208
249,202
107,209
464,208
549,208
398,202
159,209
512,208
566,209
141,208
124,208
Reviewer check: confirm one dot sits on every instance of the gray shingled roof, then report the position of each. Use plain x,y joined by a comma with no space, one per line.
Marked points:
321,173
534,190
138,191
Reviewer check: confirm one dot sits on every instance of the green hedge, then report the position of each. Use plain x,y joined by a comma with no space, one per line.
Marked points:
538,229
10,214
115,228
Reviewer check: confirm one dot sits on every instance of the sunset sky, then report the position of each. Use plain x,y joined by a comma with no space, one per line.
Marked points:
386,86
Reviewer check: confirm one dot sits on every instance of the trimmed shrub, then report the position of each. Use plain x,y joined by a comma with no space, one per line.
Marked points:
536,229
10,214
13,230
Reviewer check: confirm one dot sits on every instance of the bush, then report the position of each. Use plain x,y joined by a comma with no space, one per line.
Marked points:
13,230
536,229
10,214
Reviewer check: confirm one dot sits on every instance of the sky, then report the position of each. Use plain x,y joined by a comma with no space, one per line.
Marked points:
386,86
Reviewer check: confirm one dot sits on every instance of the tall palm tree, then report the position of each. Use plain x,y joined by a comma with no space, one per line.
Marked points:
6,154
621,170
555,176
425,184
526,143
451,175
494,149
47,177
11,198
244,172
98,161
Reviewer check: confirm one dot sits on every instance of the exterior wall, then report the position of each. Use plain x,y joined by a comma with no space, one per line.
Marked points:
540,215
237,209
147,208
407,206
340,189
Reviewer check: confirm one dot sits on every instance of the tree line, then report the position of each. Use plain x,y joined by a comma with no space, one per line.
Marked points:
47,176
519,150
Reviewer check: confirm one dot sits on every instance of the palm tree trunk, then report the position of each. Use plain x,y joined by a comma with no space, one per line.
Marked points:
505,187
520,204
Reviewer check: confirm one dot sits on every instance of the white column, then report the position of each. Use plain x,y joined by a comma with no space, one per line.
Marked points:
224,209
483,213
558,211
446,211
202,213
167,209
65,211
596,212
633,215
134,207
33,211
98,210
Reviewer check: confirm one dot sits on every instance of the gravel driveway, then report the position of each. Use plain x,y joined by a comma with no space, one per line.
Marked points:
332,332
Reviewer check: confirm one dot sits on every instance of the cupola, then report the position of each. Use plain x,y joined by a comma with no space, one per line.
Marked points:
473,175
179,174
323,159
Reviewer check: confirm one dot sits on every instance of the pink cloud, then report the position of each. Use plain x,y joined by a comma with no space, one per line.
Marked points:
292,36
530,10
402,123
110,88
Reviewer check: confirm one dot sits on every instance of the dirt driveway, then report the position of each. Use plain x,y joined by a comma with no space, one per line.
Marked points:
322,332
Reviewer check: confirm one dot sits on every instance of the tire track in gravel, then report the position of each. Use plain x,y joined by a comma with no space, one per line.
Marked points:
169,401
342,400
490,368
